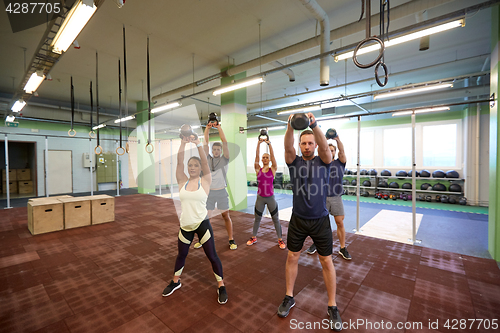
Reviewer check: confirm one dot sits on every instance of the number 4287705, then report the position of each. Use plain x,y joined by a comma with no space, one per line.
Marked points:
33,8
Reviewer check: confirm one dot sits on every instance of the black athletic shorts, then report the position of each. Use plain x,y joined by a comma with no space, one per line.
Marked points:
318,229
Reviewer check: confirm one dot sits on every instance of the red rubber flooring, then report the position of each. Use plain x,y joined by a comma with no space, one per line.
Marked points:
109,278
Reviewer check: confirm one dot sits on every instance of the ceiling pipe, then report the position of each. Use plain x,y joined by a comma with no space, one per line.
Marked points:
424,41
398,12
287,71
324,21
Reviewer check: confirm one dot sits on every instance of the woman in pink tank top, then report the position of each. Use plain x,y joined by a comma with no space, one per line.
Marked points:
265,192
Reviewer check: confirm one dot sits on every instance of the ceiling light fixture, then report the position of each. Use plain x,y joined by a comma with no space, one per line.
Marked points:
413,90
403,39
73,24
98,126
124,119
301,109
166,107
440,108
18,105
34,82
239,85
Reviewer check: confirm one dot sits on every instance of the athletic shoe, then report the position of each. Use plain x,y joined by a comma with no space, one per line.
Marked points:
222,298
197,245
311,249
172,286
343,252
232,245
335,321
252,241
284,308
281,244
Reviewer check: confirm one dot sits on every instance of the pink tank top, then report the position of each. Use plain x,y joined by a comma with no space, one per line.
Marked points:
265,181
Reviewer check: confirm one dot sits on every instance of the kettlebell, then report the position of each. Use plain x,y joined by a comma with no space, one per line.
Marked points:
299,121
212,118
187,131
263,132
331,133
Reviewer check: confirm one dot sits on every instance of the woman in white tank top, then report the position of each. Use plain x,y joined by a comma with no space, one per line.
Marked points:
193,193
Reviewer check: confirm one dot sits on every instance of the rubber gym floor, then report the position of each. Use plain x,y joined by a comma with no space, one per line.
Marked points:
109,277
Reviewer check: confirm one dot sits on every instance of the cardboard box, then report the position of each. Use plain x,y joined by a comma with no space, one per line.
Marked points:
76,212
12,175
12,187
45,216
103,208
25,186
23,174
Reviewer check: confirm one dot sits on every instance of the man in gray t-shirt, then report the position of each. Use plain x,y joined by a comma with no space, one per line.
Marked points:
218,196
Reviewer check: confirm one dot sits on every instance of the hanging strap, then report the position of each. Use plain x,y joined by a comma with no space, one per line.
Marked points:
91,133
98,148
149,106
72,132
125,83
120,148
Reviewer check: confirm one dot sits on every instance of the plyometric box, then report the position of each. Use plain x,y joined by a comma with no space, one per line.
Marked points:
103,208
25,186
23,174
12,187
12,175
76,212
55,197
45,215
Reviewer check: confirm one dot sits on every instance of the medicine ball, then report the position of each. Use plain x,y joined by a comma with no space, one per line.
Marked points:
438,198
452,199
394,185
439,187
386,196
438,174
455,188
347,172
428,198
417,174
425,173
299,121
353,182
406,186
382,183
386,173
367,183
345,182
373,172
363,172
365,194
444,199
452,174
425,186
401,173
462,201
354,172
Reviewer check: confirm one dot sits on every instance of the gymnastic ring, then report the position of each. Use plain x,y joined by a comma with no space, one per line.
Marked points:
386,75
152,148
69,132
92,134
119,149
364,41
100,150
127,147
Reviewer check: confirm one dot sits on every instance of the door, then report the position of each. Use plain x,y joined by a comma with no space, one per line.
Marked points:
60,172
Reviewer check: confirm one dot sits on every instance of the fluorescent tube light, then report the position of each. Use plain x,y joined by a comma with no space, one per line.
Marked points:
73,24
412,91
276,128
236,86
441,108
18,105
34,81
301,109
98,126
402,39
10,119
124,119
166,107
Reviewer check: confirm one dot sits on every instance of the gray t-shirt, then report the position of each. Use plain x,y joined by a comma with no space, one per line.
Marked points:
218,167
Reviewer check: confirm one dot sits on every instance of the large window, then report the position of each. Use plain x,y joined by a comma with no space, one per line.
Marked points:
439,145
350,141
397,147
278,147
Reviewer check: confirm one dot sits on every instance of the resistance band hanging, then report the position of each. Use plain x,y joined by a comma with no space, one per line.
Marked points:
120,147
127,147
72,132
149,107
91,133
98,148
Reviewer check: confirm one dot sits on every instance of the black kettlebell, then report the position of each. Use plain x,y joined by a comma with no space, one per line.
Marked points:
462,201
299,121
212,118
187,131
263,132
331,133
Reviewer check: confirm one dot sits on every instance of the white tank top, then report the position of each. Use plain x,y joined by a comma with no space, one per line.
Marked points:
193,206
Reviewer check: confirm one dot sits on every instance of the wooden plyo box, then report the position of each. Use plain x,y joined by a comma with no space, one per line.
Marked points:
25,186
103,208
12,175
23,174
76,212
45,215
56,197
12,187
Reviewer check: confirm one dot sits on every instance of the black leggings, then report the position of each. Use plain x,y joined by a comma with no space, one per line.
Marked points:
205,234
